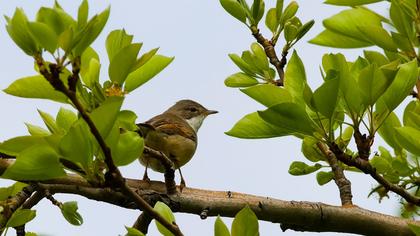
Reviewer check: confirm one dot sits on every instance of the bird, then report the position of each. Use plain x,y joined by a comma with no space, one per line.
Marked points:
173,133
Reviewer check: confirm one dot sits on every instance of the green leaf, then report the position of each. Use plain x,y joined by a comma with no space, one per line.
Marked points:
220,229
301,168
235,9
153,67
36,130
54,19
387,131
145,58
349,22
117,40
35,87
326,96
412,114
166,213
257,10
379,36
245,223
240,80
122,63
373,84
409,138
398,90
38,162
92,74
18,30
65,118
288,13
76,146
381,164
290,32
295,78
323,177
127,120
261,58
49,122
401,21
106,114
414,228
7,192
310,150
289,116
133,232
279,9
16,145
44,35
129,147
69,211
245,67
268,94
91,31
375,58
252,126
82,14
271,20
329,38
350,2
304,29
21,217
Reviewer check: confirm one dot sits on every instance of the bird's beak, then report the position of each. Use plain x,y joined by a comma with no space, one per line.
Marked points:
209,112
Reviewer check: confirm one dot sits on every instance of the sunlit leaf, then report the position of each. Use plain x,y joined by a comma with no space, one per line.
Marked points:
409,138
235,9
121,64
268,94
245,223
21,217
220,229
166,213
69,211
301,168
240,80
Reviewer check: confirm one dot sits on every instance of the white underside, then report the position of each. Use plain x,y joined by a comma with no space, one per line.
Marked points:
196,122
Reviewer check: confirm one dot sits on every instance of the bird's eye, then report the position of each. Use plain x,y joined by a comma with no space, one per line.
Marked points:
193,109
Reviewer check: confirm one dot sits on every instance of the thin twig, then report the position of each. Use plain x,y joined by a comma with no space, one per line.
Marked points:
142,223
169,168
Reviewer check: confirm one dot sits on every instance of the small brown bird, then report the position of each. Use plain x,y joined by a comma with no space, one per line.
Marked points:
174,133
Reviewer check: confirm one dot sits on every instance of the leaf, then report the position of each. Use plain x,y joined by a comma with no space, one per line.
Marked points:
133,232
167,214
235,9
82,14
76,146
240,80
375,58
412,114
145,58
257,10
53,19
245,67
127,120
49,121
121,64
379,36
301,168
268,94
38,162
289,116
117,40
350,2
7,192
381,164
69,211
261,58
288,13
409,138
105,115
329,38
310,150
245,223
279,9
220,229
18,30
252,126
304,29
129,148
35,87
44,35
149,70
414,228
401,21
16,145
92,75
271,20
91,31
295,78
373,84
323,177
36,130
326,96
65,118
290,32
387,131
21,217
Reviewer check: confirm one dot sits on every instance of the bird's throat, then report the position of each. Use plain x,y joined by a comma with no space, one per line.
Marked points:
195,122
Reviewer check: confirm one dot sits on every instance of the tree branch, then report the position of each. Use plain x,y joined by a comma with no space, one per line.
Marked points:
142,223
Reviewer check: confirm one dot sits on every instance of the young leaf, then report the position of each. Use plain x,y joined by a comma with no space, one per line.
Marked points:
271,20
379,36
268,94
105,115
49,121
127,120
65,118
245,67
145,58
82,14
121,64
36,130
288,13
133,232
301,168
290,32
279,9
166,212
44,35
16,145
76,146
18,30
409,138
326,96
310,149
140,76
350,2
257,10
117,40
53,19
220,229
240,80
21,217
295,78
129,147
289,116
252,126
387,131
91,76
330,38
35,87
304,29
245,223
401,21
323,177
39,162
69,211
235,9
262,60
7,192
412,115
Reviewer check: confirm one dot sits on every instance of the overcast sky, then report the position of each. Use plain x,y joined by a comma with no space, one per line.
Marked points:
200,35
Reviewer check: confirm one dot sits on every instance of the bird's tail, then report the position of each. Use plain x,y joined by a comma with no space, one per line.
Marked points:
144,129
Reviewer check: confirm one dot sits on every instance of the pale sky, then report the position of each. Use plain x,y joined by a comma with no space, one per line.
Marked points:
200,35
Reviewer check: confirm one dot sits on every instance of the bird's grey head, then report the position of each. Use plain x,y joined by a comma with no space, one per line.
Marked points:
193,112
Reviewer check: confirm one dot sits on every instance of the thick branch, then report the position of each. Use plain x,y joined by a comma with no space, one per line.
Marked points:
142,223
343,184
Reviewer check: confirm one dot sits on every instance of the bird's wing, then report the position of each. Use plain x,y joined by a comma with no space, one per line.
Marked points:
172,124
